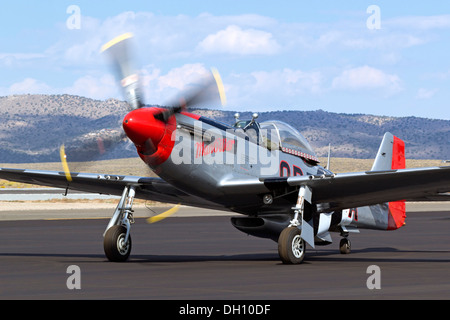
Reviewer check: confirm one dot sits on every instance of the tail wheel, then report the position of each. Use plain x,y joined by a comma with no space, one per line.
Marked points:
291,247
345,246
116,249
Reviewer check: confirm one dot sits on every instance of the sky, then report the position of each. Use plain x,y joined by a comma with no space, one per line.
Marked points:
388,58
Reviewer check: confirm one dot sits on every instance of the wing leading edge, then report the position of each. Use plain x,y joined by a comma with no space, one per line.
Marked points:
154,189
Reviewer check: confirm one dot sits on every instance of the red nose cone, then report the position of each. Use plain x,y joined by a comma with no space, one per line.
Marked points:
142,128
152,137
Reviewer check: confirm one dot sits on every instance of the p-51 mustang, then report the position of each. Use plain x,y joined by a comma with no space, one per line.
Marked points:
266,171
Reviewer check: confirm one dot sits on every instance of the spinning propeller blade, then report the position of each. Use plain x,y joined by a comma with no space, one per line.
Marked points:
89,147
119,50
208,89
220,86
63,156
163,215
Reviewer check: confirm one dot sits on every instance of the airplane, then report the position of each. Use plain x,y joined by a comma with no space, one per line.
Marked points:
266,171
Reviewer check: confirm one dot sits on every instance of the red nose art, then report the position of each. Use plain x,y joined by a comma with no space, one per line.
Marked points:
152,137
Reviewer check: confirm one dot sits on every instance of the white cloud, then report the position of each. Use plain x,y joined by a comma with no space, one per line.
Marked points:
423,94
178,78
103,87
243,20
19,59
165,37
290,63
420,22
28,85
158,88
88,51
276,88
290,81
367,78
384,41
235,40
162,88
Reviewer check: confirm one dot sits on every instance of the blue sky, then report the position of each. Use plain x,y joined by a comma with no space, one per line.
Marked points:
272,55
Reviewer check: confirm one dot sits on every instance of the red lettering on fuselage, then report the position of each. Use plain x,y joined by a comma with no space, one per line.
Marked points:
285,169
220,145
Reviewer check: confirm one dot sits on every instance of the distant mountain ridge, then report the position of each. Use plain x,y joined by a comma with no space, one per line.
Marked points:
33,127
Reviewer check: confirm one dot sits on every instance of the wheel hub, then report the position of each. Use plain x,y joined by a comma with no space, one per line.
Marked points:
297,246
122,246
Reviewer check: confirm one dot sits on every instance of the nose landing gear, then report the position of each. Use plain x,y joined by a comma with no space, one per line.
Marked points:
117,239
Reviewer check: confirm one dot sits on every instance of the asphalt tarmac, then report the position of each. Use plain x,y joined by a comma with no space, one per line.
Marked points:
203,258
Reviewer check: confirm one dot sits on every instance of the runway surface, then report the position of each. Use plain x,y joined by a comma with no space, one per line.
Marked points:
206,258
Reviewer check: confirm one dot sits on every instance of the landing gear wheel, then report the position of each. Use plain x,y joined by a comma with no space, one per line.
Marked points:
116,249
345,246
291,247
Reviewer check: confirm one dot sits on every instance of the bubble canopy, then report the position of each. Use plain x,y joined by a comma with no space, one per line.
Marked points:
280,135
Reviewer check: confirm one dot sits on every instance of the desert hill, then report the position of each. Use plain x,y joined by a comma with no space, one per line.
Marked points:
33,127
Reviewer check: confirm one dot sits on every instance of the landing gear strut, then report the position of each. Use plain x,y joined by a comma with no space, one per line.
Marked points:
117,239
345,246
292,240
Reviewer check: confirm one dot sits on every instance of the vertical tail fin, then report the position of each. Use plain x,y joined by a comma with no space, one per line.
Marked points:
391,156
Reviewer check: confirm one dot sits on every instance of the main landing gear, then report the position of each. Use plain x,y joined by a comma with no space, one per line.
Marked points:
291,246
292,240
117,239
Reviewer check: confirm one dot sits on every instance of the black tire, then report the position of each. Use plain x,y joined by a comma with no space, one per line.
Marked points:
113,245
345,247
291,247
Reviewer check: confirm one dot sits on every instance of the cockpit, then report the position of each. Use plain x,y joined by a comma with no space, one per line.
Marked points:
276,135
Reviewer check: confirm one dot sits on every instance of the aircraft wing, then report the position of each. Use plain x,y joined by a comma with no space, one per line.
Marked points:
435,197
146,188
333,192
349,190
